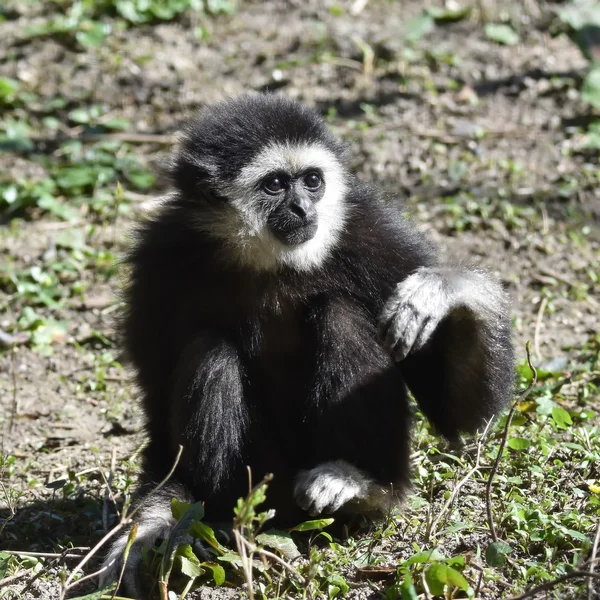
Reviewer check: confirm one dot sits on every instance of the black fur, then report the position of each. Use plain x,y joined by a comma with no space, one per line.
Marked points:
209,147
284,370
279,371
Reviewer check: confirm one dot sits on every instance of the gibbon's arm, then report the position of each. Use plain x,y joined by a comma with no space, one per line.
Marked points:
449,330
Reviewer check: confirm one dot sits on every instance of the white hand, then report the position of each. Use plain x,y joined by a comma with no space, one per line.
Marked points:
413,312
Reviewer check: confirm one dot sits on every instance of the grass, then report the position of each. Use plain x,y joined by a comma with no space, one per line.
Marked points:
545,502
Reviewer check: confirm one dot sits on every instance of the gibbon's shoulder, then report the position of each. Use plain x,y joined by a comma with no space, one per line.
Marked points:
379,231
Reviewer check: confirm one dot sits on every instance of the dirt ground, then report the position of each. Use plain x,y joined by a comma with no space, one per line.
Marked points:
480,140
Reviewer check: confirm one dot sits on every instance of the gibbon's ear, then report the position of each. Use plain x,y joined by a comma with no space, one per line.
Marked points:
192,179
187,175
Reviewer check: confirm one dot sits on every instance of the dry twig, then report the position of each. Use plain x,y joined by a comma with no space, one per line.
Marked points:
458,486
253,548
246,561
132,138
132,535
538,324
12,578
108,495
520,398
14,410
62,555
544,587
593,561
125,520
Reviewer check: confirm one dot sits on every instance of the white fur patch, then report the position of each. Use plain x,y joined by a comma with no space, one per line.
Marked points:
243,224
331,485
419,303
155,522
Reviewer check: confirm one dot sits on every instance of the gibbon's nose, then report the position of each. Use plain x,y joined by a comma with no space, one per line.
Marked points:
301,207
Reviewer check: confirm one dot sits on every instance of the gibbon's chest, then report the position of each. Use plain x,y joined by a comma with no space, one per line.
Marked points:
326,344
284,340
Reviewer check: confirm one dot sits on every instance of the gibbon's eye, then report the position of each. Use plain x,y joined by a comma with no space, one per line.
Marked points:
312,181
274,185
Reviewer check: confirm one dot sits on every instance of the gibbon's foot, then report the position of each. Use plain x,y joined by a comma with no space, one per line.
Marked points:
330,486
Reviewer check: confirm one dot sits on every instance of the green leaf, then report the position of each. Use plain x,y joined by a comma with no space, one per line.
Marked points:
202,531
561,417
70,178
140,179
418,27
226,7
236,560
439,575
10,194
545,406
501,34
424,557
92,34
524,371
190,568
8,89
194,512
57,208
332,591
189,563
337,584
178,509
581,13
218,572
577,535
29,319
117,123
313,525
455,561
80,115
496,553
280,541
590,92
518,443
407,588
98,594
49,332
128,9
448,15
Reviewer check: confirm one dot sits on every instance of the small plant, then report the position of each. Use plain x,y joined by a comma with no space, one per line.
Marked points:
582,20
85,21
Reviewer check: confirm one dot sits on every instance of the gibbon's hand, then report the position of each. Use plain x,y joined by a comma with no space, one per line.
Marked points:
329,486
414,310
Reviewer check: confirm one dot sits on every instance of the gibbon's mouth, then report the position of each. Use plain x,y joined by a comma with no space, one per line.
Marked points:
293,235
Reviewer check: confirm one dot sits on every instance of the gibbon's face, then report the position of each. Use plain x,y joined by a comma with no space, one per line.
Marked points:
278,174
289,204
288,194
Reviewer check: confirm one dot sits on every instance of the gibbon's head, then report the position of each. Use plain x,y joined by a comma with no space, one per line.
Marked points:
267,177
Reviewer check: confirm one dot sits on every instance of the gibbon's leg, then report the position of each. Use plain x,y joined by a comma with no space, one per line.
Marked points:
360,419
155,523
207,415
450,331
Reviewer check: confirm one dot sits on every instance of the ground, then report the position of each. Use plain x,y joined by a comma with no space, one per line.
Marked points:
488,145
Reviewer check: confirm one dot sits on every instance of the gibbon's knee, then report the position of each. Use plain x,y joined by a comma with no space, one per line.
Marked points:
453,323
